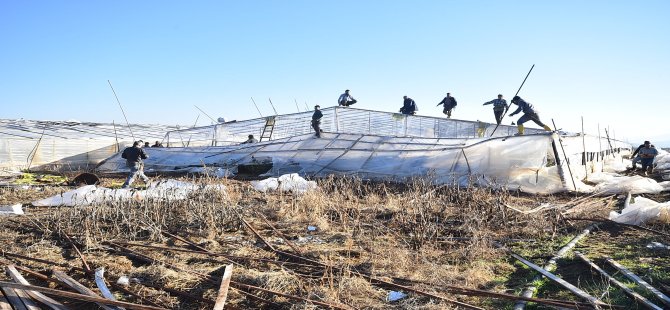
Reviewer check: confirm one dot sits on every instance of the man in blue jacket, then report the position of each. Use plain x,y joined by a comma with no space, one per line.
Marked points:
499,108
529,114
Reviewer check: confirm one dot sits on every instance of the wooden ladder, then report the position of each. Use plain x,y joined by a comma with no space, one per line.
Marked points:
267,130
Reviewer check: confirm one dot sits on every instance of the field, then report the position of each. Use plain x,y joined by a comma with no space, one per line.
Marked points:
346,245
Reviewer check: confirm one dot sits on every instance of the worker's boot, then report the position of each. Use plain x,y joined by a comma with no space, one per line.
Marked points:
547,128
520,129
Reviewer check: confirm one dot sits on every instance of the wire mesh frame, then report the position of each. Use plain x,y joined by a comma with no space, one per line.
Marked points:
342,120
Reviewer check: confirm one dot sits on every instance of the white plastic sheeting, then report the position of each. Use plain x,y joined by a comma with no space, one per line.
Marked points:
16,209
91,194
518,162
625,184
285,183
641,211
56,146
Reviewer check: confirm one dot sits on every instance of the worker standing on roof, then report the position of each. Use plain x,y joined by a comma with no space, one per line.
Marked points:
499,107
316,121
345,99
134,157
408,106
529,114
449,103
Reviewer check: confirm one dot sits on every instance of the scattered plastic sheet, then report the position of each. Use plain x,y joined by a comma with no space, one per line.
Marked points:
311,228
642,211
634,185
395,296
285,183
16,209
657,246
90,194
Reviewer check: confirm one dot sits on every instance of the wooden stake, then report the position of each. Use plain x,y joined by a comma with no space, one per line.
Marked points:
223,289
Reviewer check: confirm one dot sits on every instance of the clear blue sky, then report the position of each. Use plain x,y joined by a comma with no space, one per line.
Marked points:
604,60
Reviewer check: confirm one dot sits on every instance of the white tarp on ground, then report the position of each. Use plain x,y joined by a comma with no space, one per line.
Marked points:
518,162
11,210
641,211
285,183
91,194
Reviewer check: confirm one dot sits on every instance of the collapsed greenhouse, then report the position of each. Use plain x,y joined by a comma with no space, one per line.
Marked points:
66,145
384,146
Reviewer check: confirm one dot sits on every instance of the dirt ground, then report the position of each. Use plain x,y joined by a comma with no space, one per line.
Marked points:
346,245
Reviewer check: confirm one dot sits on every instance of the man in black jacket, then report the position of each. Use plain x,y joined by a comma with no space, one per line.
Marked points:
449,103
134,156
316,121
408,106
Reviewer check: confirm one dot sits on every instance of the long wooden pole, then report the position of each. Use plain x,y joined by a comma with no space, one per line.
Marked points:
517,92
586,168
203,112
259,111
122,111
273,106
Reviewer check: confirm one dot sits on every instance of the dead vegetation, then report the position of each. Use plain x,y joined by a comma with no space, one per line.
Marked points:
344,245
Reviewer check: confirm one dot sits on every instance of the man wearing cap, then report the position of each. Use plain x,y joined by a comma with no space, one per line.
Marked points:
134,156
529,114
316,121
408,106
449,103
499,107
345,99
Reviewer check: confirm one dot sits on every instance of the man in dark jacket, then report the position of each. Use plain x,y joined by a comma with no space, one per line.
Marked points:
529,114
636,156
449,103
408,106
134,156
316,121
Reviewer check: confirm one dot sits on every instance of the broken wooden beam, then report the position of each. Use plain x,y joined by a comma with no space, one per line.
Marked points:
72,283
18,278
75,296
632,294
4,304
223,289
13,298
664,298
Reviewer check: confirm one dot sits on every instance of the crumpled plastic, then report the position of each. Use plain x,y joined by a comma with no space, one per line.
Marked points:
90,194
286,183
641,211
